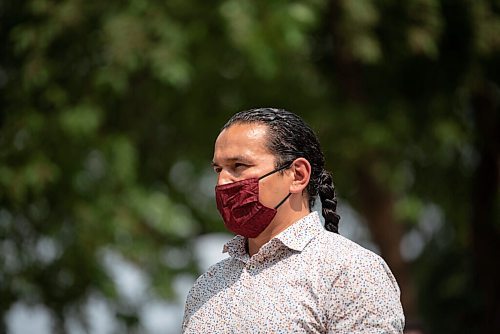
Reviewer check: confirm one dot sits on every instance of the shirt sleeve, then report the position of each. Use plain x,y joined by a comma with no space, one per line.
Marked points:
365,298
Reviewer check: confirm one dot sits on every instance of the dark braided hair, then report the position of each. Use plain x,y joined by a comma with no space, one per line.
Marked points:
291,138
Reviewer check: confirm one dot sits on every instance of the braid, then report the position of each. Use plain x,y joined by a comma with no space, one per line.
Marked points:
328,201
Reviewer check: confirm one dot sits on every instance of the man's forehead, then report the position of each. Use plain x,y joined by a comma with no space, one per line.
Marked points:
240,153
241,142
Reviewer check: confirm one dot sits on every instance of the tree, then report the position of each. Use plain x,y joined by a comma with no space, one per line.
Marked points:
108,107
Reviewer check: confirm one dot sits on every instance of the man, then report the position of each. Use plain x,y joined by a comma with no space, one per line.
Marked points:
286,273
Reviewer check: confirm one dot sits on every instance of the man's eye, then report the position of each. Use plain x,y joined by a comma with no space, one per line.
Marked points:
239,165
217,170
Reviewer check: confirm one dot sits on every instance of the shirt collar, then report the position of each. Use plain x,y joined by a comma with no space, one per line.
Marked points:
299,234
295,237
236,247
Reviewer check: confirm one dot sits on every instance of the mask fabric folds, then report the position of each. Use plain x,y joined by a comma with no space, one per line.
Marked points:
238,204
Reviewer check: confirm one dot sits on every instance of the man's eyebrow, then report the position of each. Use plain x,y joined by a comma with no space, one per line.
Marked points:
232,159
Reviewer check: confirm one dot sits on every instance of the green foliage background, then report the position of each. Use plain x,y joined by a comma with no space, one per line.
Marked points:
109,110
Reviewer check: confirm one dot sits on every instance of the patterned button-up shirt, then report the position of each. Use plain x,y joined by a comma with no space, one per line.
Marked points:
304,280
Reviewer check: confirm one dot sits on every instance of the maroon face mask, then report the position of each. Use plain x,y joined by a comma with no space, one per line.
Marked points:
240,208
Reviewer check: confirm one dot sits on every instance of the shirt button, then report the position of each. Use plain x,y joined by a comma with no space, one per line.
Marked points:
252,267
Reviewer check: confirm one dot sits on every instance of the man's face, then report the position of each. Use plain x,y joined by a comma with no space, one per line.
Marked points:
241,153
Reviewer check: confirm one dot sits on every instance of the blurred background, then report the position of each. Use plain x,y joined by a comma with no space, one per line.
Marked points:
109,112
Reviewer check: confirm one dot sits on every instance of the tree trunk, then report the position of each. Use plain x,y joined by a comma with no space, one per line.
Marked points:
377,201
485,226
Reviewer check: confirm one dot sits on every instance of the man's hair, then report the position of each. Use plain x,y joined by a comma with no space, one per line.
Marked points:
291,138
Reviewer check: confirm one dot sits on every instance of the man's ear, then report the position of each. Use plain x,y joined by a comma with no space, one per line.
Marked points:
301,173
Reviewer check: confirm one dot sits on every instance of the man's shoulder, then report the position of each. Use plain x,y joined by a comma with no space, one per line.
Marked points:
337,243
342,257
335,248
217,269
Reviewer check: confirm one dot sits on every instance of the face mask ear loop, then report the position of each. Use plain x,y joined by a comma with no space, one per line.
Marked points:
276,170
283,201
